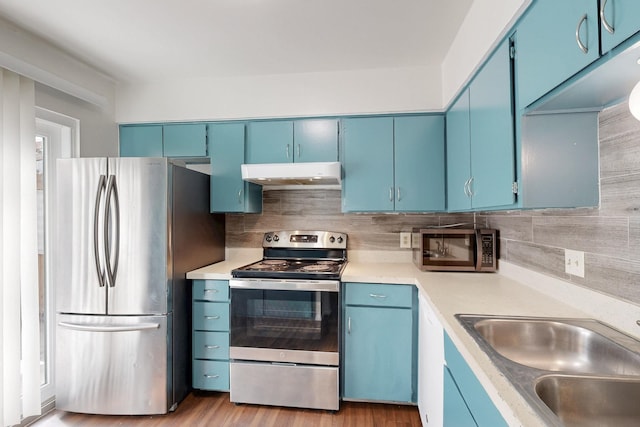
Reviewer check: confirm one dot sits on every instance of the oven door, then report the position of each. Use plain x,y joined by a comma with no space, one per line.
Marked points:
288,321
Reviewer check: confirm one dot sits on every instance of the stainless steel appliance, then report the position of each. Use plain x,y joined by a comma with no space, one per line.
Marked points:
128,230
285,322
455,249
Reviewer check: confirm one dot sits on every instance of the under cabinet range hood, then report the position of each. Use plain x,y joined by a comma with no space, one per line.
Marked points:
280,174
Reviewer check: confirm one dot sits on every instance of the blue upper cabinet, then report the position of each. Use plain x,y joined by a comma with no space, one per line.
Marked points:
315,140
458,154
170,140
492,133
480,139
185,140
292,141
393,164
269,142
141,141
367,160
229,193
618,21
555,40
419,163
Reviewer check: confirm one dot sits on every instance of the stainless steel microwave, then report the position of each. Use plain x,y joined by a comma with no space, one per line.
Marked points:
455,249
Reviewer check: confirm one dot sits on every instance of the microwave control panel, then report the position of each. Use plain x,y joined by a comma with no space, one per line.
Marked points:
487,248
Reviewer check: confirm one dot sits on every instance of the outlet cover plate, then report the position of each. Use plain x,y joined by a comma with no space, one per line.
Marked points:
574,262
405,240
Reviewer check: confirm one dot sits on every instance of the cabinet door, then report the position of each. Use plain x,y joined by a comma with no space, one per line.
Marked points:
229,193
269,142
141,141
368,165
378,354
456,412
185,140
458,154
492,134
619,22
316,140
419,163
548,48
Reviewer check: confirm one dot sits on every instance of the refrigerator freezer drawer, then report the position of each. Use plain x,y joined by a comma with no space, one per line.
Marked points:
112,365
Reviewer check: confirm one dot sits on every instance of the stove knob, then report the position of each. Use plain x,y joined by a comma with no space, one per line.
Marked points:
332,239
268,238
276,238
340,239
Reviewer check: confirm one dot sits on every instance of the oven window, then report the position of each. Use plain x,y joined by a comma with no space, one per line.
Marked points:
284,319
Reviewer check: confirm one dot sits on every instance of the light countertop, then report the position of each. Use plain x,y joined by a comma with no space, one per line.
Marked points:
504,293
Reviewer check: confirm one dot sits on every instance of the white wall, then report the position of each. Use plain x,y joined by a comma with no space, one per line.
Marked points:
64,85
484,26
285,95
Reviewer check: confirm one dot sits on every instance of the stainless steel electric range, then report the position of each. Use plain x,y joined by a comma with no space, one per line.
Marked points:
285,322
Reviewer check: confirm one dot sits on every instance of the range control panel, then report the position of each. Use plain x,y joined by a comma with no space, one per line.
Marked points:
305,239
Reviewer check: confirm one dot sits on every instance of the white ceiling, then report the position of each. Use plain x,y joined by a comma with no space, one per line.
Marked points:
156,39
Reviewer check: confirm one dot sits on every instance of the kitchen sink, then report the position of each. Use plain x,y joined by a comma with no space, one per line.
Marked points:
572,371
555,345
591,401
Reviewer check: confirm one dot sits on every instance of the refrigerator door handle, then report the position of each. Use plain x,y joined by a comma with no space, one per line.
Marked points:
89,327
96,219
112,191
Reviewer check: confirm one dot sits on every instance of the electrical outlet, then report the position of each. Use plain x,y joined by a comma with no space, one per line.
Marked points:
405,240
574,262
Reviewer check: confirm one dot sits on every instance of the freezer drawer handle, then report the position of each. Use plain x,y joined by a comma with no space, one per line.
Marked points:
103,328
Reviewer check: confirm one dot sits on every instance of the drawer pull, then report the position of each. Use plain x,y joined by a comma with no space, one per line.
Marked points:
211,347
211,376
378,296
211,290
211,317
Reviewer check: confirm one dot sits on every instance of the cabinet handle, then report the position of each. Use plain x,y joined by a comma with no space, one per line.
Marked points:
287,151
399,196
467,190
584,48
378,296
211,347
603,19
211,317
298,151
349,325
391,194
471,193
211,376
240,196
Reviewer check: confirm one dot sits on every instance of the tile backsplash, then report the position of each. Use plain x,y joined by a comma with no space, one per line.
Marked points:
535,239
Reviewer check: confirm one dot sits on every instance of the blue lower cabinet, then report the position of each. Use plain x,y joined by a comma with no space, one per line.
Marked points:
211,375
473,394
380,344
456,412
210,352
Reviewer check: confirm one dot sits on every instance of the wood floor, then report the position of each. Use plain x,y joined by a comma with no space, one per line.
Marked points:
214,410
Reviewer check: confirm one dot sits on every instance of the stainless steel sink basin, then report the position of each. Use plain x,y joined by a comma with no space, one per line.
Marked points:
557,346
590,401
573,372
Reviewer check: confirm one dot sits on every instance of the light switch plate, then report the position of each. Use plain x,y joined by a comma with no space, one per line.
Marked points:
574,262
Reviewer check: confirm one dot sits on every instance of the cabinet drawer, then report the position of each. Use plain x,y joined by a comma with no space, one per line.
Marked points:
211,290
379,295
211,316
211,345
210,375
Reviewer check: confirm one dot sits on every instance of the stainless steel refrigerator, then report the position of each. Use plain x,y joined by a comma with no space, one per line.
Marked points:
128,229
